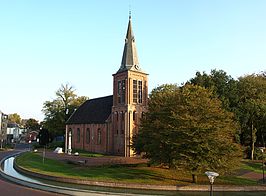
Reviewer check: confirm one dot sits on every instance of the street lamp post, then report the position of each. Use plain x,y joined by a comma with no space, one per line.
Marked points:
262,152
211,176
66,132
29,141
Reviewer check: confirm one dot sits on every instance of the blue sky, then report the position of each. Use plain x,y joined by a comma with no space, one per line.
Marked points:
46,43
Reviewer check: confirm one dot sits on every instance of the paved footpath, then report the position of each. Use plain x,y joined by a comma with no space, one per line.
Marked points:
253,176
95,161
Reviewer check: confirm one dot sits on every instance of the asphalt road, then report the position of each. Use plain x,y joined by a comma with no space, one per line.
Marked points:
10,189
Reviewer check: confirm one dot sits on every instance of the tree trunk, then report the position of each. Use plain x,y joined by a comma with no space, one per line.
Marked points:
252,151
253,140
194,178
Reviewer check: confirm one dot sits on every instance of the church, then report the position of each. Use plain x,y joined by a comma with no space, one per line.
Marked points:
107,124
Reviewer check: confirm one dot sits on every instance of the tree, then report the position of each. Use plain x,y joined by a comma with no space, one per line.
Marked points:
251,110
245,98
32,124
223,85
14,118
60,109
187,127
44,137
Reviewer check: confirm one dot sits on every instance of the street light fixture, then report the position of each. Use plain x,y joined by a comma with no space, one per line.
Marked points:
211,176
262,152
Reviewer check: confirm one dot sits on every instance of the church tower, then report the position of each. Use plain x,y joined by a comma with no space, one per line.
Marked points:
130,97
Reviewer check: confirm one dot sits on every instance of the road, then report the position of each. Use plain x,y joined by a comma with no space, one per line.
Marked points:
10,189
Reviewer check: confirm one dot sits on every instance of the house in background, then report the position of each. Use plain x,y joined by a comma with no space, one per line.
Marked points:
14,132
107,124
31,136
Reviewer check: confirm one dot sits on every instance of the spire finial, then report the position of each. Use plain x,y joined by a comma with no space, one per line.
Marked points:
130,58
129,10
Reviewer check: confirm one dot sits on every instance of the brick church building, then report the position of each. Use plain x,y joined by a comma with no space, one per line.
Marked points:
107,124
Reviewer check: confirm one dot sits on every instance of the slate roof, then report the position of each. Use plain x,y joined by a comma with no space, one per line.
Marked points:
93,111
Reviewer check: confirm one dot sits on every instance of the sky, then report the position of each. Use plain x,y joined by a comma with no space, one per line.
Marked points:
46,43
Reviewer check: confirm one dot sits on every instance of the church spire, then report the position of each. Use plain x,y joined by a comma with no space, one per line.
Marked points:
130,59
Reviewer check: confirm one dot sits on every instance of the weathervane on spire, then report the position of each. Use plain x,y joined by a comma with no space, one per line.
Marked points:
129,10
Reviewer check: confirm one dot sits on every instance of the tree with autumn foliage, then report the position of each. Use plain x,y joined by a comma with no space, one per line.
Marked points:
14,118
186,127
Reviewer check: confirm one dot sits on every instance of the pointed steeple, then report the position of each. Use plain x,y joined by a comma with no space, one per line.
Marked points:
130,59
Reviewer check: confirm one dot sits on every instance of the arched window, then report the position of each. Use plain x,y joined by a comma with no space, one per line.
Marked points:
122,116
99,136
88,135
121,91
78,135
140,92
122,122
134,115
135,91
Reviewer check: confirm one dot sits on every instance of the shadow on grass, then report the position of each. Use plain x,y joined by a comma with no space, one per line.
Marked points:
252,166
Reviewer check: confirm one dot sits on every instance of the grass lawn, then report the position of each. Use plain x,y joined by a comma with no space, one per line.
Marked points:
120,173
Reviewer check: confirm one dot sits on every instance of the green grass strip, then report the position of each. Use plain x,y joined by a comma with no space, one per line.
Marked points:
119,173
135,174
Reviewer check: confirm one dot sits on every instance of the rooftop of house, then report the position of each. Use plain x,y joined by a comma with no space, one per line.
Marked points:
12,125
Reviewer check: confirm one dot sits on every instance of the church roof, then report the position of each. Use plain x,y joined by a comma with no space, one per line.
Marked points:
130,59
93,111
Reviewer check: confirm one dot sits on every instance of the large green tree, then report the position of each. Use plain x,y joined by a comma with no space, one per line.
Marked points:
61,108
187,127
251,110
14,118
222,84
32,125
